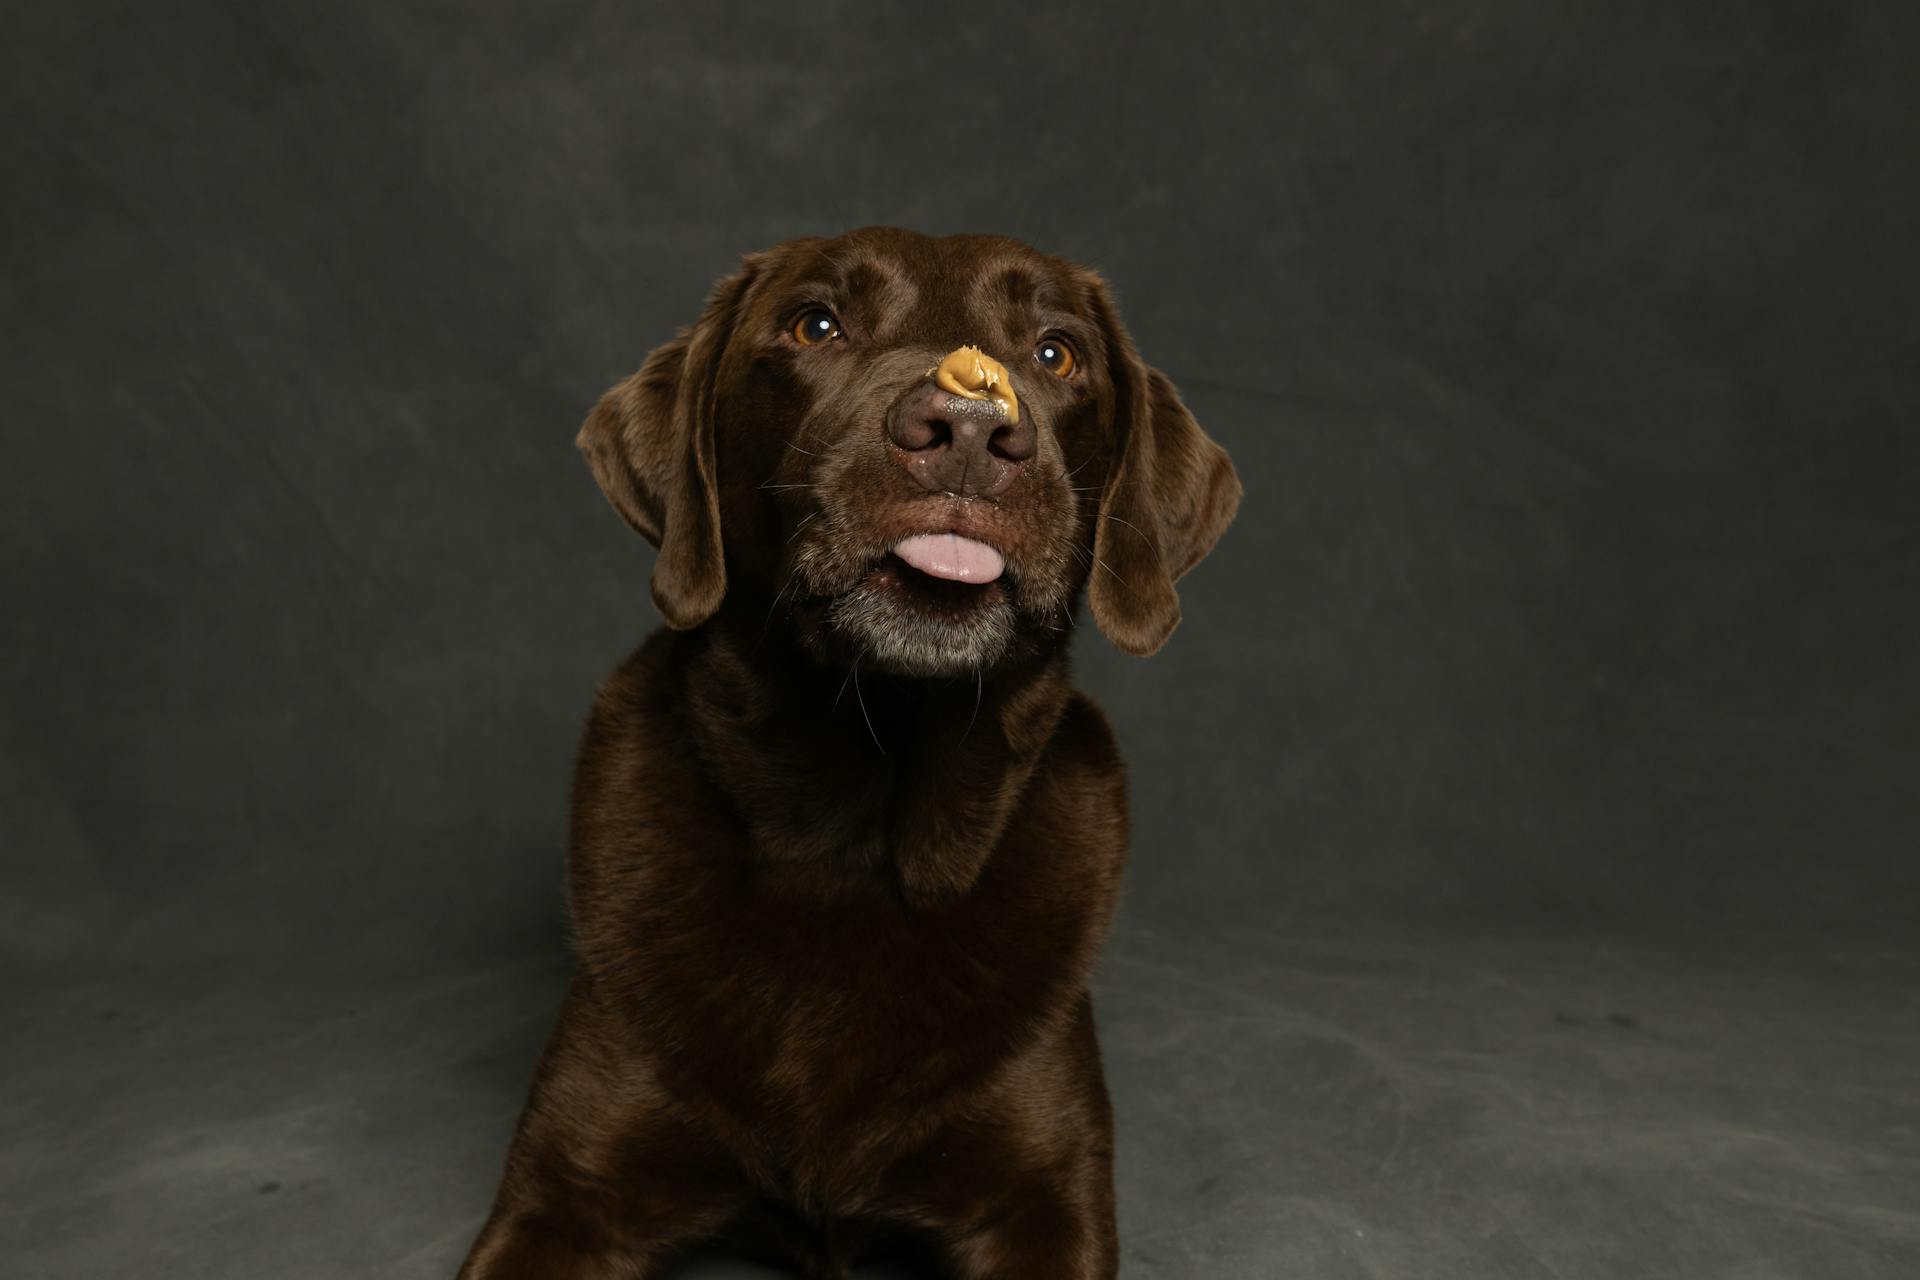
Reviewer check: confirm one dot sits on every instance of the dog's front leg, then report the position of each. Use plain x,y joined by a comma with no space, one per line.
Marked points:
534,1245
607,1179
548,1224
1023,1187
1062,1229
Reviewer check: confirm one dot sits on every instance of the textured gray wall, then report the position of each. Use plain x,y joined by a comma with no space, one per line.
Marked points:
1566,352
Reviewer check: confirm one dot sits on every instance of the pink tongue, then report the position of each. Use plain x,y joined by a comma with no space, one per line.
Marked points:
950,556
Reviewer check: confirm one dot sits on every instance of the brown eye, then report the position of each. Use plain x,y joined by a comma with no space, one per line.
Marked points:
1055,356
814,326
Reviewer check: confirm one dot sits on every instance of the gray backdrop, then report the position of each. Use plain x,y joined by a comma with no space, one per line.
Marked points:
1566,352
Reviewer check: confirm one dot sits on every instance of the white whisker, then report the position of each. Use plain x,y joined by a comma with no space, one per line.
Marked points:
803,524
1131,525
863,707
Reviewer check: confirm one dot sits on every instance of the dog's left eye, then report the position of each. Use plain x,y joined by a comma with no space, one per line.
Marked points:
1055,356
815,326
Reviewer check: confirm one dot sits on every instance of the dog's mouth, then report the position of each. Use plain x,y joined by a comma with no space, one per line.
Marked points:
942,574
934,604
926,587
910,623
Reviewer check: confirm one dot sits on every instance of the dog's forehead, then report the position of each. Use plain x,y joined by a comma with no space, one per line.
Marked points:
902,281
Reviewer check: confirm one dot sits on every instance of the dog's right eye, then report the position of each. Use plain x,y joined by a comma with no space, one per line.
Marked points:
815,326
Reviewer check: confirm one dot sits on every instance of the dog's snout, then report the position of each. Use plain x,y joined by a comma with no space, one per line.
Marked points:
961,431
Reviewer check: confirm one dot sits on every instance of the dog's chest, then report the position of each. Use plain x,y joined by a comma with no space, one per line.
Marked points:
865,996
816,1024
841,1033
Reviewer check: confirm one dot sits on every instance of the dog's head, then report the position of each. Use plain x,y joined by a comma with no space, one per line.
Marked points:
918,451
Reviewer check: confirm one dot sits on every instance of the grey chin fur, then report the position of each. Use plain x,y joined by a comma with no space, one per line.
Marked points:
895,637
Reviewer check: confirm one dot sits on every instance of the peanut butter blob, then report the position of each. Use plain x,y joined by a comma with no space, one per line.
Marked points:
968,371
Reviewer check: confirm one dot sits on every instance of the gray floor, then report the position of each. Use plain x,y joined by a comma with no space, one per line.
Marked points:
1344,1102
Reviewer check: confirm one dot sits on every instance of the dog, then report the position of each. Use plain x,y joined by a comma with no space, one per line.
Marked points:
845,840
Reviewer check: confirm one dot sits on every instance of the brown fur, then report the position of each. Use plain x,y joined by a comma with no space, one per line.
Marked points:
842,854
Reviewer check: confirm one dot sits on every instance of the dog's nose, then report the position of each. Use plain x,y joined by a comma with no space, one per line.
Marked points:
962,431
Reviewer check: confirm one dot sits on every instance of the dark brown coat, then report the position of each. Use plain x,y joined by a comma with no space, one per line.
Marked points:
846,841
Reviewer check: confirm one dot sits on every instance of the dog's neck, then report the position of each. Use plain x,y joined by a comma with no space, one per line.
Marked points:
845,778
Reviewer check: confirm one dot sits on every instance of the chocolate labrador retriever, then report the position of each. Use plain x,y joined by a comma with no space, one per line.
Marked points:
845,838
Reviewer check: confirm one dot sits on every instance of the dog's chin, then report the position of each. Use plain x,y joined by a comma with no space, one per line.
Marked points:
902,621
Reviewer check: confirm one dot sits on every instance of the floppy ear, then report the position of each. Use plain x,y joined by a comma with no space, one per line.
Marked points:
650,444
1169,496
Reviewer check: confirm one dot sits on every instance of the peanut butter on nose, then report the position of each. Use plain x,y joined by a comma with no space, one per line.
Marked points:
970,372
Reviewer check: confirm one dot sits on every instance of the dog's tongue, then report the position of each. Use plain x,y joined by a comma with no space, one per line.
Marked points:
950,556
